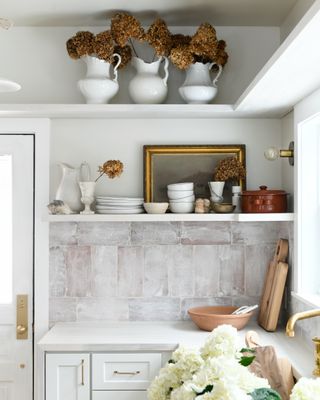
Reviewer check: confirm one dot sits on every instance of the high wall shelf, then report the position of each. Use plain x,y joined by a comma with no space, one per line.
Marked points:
290,74
170,217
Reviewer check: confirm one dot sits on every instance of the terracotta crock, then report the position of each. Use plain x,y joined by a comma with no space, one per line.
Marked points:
264,201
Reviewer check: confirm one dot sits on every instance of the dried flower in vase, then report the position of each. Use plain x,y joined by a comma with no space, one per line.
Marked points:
229,168
125,53
104,46
81,44
204,43
125,27
111,168
159,37
202,47
181,56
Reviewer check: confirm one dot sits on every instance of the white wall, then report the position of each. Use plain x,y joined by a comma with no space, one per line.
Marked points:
96,141
297,12
37,59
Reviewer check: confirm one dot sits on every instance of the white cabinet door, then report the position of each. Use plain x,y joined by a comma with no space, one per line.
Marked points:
68,377
120,395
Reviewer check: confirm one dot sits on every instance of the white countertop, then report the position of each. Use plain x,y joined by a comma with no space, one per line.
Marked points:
162,337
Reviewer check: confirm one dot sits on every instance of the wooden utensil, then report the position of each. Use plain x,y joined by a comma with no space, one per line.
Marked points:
273,287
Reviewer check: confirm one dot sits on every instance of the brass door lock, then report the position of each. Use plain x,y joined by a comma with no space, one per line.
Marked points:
22,317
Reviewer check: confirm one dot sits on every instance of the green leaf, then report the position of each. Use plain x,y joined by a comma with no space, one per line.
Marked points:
265,394
247,350
171,361
246,360
207,389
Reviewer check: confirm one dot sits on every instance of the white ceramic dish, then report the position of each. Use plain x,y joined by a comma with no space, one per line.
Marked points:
189,199
119,198
182,208
121,211
156,208
181,186
117,206
179,194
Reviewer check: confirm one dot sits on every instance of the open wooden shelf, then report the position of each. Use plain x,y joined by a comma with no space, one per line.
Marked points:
169,217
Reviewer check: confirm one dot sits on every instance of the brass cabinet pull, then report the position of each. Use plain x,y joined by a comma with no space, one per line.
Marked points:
82,372
126,373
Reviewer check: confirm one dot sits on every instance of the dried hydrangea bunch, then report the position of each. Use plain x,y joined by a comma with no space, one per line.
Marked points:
102,46
125,27
229,168
202,47
159,37
111,168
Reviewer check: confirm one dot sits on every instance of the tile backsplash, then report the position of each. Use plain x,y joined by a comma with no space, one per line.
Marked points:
156,270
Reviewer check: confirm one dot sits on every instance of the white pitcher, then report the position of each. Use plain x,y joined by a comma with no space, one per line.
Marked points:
198,87
68,190
98,87
147,87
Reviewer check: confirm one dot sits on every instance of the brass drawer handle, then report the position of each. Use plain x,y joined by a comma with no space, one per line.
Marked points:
126,373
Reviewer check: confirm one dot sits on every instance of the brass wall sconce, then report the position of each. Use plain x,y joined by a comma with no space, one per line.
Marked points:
272,153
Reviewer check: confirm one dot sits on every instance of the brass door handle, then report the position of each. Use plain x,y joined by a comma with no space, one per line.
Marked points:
21,329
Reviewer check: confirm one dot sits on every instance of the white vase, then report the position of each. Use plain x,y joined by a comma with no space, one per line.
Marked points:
98,87
87,196
147,87
216,191
68,190
198,88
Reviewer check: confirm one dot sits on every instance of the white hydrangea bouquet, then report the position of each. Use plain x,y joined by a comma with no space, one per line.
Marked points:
219,372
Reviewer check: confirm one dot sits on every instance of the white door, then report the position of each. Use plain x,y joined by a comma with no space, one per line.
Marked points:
68,376
16,266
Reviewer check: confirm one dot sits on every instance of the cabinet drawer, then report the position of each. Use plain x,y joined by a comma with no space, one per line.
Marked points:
120,395
111,371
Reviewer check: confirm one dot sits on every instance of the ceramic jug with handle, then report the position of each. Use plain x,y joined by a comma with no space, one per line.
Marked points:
68,190
147,87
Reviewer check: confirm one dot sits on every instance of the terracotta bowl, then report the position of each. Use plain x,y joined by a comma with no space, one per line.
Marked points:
208,318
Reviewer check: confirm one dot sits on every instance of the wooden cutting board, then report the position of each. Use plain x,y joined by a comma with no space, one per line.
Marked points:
273,289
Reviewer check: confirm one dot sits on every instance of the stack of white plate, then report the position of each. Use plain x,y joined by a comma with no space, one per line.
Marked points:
119,205
181,197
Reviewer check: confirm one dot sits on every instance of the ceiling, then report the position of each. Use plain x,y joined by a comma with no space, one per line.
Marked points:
175,12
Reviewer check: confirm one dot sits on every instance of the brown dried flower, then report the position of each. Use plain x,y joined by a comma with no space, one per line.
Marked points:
104,46
179,39
181,56
125,53
125,27
229,168
111,168
204,42
81,44
221,57
159,37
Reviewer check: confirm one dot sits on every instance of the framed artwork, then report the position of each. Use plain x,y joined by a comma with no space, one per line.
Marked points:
186,163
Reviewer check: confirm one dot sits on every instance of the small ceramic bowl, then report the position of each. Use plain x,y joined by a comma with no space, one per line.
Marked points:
156,208
208,318
179,194
182,208
224,208
181,186
189,199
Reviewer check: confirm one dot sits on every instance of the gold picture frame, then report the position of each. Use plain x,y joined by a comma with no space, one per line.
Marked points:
165,164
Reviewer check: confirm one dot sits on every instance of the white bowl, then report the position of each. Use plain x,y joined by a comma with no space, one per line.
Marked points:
179,194
189,199
156,208
181,186
182,208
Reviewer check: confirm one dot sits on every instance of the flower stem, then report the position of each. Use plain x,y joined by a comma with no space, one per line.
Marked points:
99,176
134,50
